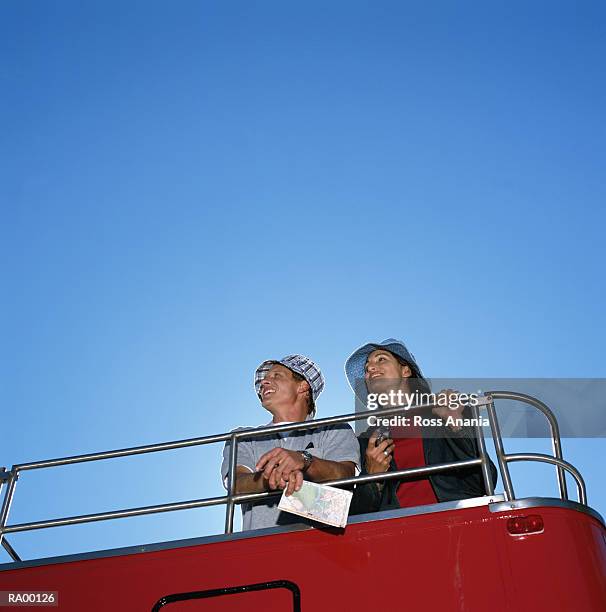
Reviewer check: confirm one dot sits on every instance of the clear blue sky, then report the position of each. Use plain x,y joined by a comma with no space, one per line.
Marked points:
189,188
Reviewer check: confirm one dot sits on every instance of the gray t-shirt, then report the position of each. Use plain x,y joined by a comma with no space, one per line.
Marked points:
332,442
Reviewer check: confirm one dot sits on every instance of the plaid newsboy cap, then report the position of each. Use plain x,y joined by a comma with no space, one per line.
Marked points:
296,363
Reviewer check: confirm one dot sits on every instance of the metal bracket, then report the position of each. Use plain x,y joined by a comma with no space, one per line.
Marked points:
10,550
6,475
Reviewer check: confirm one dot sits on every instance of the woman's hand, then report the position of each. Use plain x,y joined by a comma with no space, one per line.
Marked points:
378,458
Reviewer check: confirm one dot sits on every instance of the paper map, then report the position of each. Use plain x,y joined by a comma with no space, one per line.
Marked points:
319,503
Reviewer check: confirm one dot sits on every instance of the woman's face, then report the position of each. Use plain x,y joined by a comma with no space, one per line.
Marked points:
384,372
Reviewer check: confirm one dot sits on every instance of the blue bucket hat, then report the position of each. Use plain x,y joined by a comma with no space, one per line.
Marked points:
354,366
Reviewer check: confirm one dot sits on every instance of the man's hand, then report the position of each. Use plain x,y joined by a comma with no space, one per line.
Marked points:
283,469
278,464
378,458
444,410
294,482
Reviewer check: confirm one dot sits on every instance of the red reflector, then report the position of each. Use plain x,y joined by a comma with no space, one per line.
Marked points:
525,524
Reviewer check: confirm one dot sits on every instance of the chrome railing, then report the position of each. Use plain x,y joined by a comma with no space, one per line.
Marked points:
231,499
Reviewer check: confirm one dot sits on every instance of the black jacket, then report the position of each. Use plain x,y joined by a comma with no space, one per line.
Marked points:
448,486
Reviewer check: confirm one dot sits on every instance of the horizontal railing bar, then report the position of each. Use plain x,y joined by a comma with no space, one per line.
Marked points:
312,424
102,516
483,400
216,501
581,489
125,452
430,469
245,433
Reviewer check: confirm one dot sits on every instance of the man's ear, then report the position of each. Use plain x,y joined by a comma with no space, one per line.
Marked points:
303,387
406,371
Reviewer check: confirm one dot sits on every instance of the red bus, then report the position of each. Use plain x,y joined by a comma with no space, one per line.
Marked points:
494,552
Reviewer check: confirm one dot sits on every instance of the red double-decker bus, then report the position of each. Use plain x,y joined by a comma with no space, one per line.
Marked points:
494,552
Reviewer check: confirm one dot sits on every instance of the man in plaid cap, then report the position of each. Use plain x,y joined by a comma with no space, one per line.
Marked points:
288,388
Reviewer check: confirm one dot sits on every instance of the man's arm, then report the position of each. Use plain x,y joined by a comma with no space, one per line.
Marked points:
250,482
247,481
284,468
325,469
319,470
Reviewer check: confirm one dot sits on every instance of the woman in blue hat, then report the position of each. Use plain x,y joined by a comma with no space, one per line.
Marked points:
388,370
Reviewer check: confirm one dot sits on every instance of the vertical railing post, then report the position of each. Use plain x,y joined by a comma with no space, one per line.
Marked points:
498,444
554,428
488,486
556,446
8,498
231,484
3,476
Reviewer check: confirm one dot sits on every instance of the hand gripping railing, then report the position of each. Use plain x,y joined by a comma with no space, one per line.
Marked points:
231,499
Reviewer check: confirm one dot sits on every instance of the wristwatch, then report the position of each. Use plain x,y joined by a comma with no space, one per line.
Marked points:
307,458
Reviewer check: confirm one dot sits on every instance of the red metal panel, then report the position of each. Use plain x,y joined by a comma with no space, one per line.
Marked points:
561,568
457,560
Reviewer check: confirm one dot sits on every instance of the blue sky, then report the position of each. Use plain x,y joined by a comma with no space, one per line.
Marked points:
190,188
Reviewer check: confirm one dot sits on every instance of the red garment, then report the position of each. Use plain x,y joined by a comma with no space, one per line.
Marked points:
408,453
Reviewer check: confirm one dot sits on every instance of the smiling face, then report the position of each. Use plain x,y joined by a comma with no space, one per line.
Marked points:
280,389
383,372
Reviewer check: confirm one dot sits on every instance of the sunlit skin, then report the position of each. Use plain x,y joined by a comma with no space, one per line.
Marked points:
283,396
286,399
383,372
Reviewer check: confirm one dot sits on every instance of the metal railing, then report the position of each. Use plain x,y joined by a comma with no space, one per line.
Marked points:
231,499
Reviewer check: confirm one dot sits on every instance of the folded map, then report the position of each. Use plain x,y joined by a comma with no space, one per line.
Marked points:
319,503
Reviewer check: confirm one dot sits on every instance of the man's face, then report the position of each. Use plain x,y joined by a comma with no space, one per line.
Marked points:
383,372
279,387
